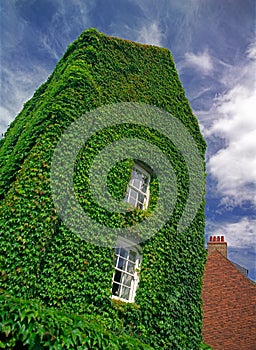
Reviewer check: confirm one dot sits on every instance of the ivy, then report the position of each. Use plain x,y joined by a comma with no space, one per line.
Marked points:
29,325
42,260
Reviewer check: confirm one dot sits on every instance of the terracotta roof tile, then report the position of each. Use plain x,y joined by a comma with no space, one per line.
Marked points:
229,306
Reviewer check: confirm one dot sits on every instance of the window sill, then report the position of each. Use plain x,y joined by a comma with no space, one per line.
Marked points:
118,299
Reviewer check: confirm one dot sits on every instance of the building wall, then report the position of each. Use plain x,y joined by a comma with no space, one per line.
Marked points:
40,257
229,306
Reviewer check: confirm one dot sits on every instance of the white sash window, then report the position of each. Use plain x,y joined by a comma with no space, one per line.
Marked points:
126,275
138,189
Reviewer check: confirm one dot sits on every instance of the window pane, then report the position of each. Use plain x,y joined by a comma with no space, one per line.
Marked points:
144,184
121,264
132,201
141,197
137,183
118,275
134,173
132,255
116,289
133,193
124,253
130,267
125,293
127,280
137,173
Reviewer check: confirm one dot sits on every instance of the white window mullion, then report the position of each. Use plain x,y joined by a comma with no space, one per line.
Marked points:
139,175
125,288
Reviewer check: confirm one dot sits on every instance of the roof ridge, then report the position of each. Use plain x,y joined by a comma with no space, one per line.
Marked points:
232,266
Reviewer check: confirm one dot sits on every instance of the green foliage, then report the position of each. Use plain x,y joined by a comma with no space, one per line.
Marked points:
29,325
40,258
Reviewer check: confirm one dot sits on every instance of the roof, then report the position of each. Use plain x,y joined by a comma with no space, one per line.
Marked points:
229,306
240,268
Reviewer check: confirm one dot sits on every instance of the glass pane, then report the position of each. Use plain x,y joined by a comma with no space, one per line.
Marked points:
121,264
125,293
137,173
131,267
134,173
118,275
132,201
141,197
127,280
133,193
124,253
133,177
144,184
137,183
132,255
116,289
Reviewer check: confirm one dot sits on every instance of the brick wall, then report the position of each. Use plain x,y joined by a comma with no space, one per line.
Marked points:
217,243
229,306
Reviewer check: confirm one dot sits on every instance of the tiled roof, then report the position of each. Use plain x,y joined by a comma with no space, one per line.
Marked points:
240,268
229,306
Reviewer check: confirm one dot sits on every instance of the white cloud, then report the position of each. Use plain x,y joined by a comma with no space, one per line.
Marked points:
240,234
19,77
19,87
234,166
251,52
5,119
202,62
150,34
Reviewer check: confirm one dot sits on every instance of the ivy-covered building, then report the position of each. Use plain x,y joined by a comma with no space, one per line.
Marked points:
146,289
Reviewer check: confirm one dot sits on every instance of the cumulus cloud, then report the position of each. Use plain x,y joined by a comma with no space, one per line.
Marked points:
234,166
240,234
240,237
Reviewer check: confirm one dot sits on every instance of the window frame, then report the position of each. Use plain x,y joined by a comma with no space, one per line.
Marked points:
131,186
127,245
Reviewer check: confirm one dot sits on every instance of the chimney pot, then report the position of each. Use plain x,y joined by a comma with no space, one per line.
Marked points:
217,243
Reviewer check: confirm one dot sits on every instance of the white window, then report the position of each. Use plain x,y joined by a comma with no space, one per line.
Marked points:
126,275
138,189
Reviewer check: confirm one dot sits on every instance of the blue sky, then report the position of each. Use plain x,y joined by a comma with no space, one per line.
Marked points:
213,43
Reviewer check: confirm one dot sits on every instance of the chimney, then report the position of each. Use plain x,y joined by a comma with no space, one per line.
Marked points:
217,243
